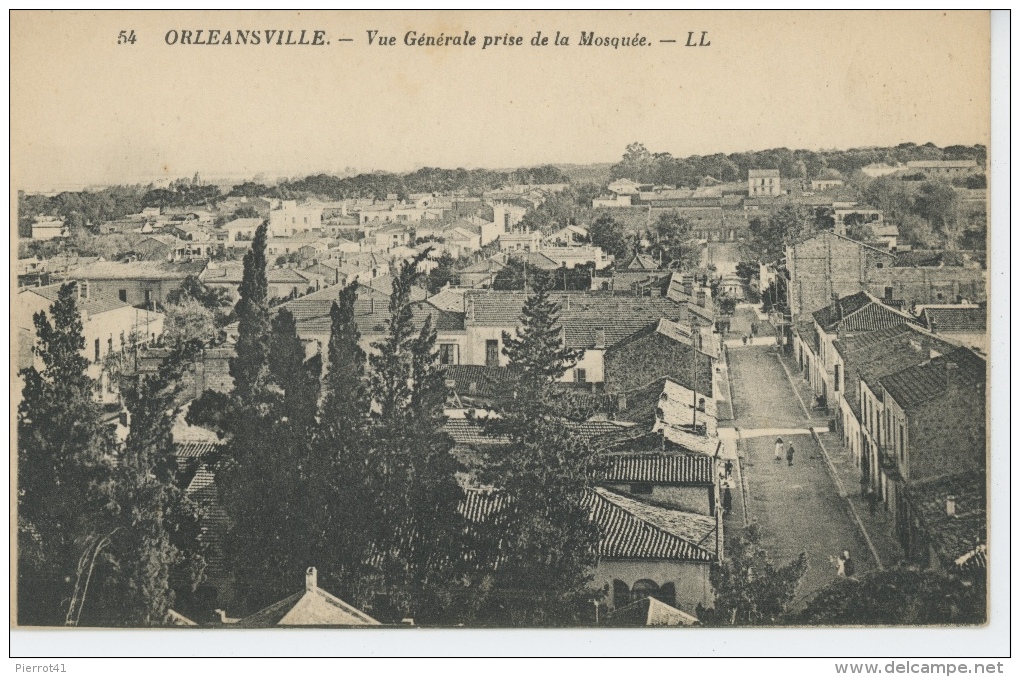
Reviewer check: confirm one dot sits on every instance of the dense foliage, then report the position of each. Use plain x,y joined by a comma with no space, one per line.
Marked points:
639,164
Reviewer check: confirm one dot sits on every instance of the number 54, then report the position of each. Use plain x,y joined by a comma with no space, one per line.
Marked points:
126,37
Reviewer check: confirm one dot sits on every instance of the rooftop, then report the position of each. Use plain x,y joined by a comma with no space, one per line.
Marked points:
582,315
92,305
311,607
915,385
955,319
859,312
954,536
138,270
661,468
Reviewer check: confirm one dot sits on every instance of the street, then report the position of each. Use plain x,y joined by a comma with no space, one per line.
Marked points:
798,507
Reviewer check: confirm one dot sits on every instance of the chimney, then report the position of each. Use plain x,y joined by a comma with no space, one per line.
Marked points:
951,506
311,579
621,402
701,298
600,338
688,284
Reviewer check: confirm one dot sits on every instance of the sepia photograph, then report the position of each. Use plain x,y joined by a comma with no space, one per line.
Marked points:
468,320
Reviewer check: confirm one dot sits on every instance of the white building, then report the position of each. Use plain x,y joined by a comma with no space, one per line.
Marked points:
291,218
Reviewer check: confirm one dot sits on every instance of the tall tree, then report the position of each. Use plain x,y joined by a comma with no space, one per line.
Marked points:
672,241
417,522
606,232
250,367
344,462
154,555
783,225
66,499
749,588
442,274
549,544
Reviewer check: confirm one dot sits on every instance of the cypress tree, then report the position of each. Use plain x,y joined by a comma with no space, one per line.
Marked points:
155,552
343,460
66,502
548,542
249,367
416,522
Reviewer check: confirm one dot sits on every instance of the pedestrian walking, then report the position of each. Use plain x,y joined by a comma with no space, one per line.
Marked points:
729,468
845,565
789,454
779,449
849,566
744,338
872,499
727,499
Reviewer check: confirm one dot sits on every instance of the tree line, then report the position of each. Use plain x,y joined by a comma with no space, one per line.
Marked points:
640,164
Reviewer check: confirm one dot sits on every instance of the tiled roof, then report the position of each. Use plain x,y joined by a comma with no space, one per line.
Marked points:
94,305
641,262
592,431
449,299
469,433
918,384
484,266
630,529
581,314
536,259
481,381
828,317
758,173
371,312
962,319
285,276
138,270
661,468
185,452
955,536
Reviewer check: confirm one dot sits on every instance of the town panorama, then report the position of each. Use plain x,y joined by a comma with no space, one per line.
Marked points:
726,390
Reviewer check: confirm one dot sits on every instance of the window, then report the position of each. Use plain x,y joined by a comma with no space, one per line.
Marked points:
122,295
449,353
835,379
641,488
148,296
109,345
888,293
97,350
492,353
580,376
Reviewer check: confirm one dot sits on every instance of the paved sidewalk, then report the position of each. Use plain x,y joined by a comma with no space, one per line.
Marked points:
880,526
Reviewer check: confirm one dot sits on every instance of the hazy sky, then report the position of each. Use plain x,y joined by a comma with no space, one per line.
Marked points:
87,110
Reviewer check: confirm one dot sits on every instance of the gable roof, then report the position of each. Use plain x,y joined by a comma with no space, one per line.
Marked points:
859,312
650,612
955,319
92,306
641,262
311,607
